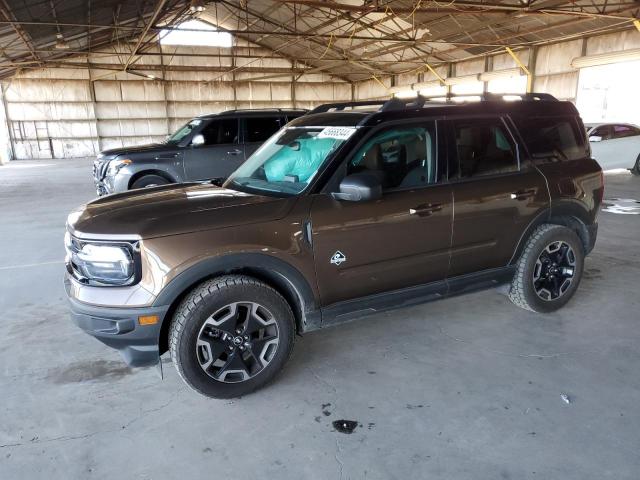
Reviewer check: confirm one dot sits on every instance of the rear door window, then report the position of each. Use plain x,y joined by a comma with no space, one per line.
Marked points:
483,146
604,132
293,116
221,132
553,138
259,129
622,131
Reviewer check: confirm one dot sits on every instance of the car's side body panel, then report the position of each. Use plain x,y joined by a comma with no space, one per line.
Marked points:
617,152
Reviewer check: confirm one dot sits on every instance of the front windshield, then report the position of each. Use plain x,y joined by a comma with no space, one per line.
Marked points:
183,131
289,160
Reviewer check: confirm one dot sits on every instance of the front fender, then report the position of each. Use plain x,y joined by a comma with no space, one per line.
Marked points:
169,165
279,274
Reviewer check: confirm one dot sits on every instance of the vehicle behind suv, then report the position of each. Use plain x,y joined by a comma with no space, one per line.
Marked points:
615,145
207,147
343,213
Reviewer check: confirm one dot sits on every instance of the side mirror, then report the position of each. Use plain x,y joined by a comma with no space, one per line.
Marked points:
595,138
197,140
360,187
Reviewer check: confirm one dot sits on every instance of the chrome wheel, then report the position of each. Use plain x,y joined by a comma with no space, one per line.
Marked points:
554,271
237,342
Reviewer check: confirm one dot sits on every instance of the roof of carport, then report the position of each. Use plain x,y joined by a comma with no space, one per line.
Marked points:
350,39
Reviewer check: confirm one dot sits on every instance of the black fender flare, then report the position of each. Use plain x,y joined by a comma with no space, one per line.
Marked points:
569,212
276,272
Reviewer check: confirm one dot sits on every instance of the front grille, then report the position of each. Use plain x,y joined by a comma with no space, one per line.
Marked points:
100,167
103,169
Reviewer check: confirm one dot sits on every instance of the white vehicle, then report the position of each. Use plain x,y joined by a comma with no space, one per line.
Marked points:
615,145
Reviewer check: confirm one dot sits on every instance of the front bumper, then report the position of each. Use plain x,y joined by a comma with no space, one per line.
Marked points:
119,328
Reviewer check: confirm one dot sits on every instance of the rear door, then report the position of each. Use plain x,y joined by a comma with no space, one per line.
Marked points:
220,154
496,194
258,129
401,240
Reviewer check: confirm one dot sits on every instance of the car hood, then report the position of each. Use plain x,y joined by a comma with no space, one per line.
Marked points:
149,148
172,210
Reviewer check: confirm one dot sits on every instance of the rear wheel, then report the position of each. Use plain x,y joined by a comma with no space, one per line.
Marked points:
149,181
549,270
230,336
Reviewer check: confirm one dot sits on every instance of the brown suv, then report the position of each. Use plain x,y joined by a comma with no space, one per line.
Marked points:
349,210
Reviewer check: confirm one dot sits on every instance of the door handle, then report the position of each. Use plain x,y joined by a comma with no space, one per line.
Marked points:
426,209
168,156
234,152
522,194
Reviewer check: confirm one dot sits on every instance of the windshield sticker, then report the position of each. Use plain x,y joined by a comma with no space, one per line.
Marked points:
339,133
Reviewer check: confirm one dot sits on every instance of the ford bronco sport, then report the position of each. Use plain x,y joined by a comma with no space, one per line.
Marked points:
349,210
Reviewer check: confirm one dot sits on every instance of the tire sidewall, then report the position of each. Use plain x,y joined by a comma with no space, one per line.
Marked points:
212,302
148,180
553,235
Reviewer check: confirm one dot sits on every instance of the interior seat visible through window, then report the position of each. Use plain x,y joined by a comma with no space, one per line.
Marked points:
484,148
400,157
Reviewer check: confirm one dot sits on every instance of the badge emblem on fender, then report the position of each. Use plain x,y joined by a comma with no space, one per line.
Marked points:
338,258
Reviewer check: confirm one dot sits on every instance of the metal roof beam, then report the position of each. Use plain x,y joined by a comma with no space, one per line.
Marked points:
6,12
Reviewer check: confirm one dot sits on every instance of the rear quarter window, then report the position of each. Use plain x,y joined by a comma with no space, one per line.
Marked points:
555,139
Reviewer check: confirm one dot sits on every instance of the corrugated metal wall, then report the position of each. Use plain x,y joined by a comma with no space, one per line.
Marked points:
79,111
74,112
551,65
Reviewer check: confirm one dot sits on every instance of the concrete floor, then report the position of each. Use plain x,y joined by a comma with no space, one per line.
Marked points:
465,388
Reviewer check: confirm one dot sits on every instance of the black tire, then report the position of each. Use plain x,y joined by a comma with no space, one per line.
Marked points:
149,181
524,291
191,319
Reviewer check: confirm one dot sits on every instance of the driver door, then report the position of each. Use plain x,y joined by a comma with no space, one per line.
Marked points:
401,240
219,155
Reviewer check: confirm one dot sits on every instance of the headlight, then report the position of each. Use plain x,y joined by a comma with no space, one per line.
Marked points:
116,165
100,264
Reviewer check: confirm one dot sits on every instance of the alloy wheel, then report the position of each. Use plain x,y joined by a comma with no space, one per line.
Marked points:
554,271
237,342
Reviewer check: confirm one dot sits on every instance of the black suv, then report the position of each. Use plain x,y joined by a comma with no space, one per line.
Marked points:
207,147
342,213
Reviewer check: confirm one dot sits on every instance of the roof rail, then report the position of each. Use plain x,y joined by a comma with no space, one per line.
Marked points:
487,96
240,110
342,105
419,101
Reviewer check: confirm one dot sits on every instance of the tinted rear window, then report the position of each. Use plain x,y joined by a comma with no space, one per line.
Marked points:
553,138
259,129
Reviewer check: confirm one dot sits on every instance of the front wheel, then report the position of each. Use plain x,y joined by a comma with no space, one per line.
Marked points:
230,336
549,270
149,181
